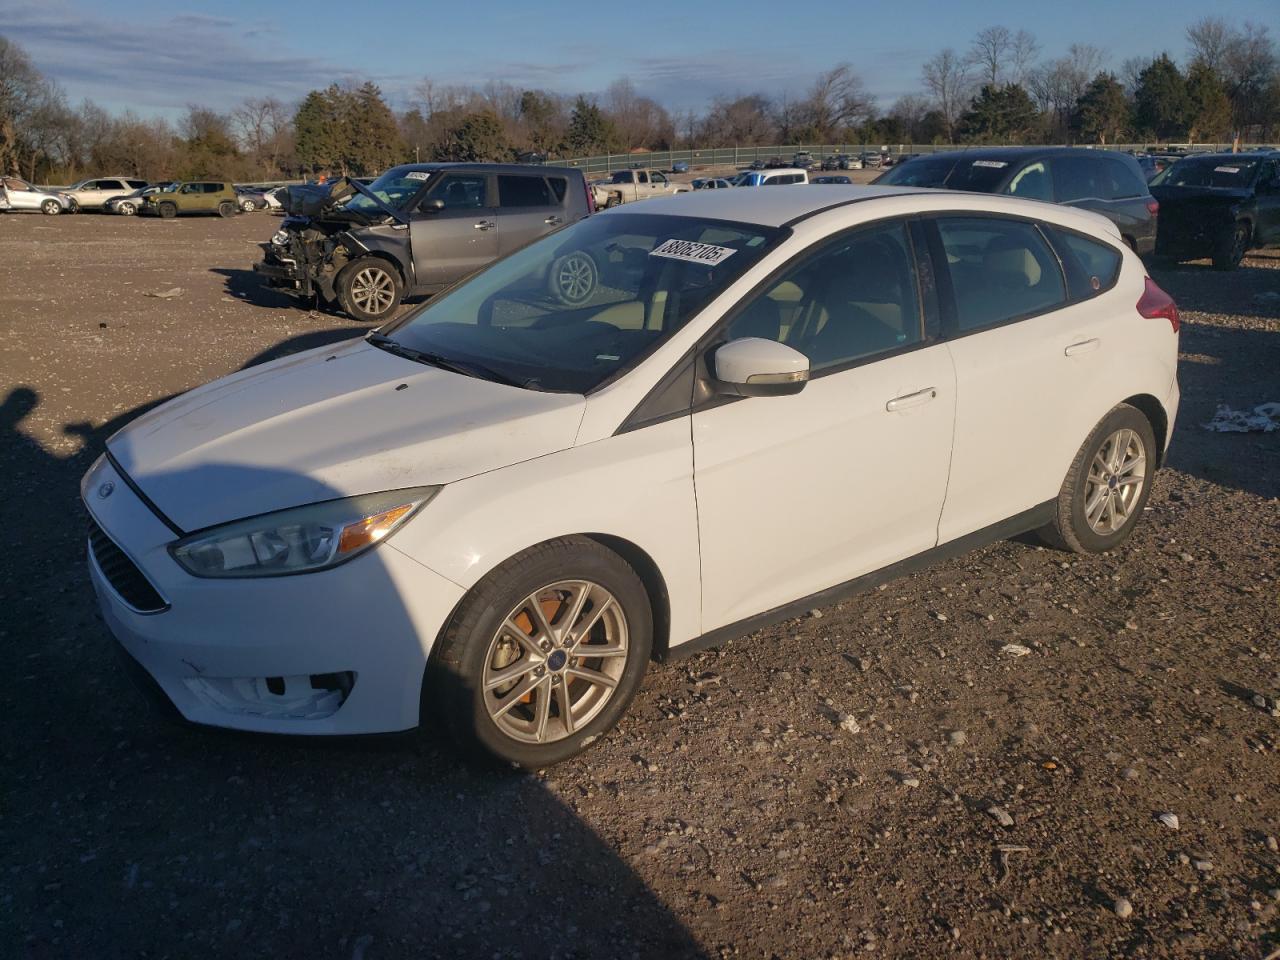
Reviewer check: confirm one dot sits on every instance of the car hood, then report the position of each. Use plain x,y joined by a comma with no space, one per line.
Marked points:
329,200
334,422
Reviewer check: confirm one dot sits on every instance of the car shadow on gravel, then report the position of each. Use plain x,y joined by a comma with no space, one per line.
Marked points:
129,836
252,288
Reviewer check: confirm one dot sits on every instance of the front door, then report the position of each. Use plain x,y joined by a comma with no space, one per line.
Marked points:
459,239
20,194
797,494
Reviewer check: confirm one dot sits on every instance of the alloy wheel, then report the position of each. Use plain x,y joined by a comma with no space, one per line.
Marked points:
373,291
575,278
1117,474
555,661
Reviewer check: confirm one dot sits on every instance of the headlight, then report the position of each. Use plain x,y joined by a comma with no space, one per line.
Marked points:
301,539
280,238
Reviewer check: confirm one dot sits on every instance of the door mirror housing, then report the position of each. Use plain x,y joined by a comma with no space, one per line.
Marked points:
431,205
754,367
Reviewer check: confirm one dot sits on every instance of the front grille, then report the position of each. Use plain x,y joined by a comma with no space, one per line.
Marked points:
123,574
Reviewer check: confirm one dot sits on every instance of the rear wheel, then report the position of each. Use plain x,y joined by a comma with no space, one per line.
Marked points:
246,206
50,207
1108,484
126,208
369,289
1231,247
544,654
226,209
168,210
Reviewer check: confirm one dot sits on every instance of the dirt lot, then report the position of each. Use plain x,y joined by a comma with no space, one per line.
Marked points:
731,815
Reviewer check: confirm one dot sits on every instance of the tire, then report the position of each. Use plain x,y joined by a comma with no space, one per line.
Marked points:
246,206
73,205
573,278
227,209
1115,513
476,648
167,211
1231,246
51,207
369,289
126,209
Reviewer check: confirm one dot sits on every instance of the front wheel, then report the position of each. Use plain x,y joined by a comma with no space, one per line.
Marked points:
168,211
226,209
369,290
544,654
50,208
73,205
126,209
1231,247
1108,484
246,206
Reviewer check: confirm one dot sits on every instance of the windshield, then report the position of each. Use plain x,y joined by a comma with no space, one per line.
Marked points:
393,189
576,307
920,172
1227,173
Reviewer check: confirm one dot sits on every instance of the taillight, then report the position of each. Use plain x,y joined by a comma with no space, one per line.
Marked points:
1156,303
591,197
1153,206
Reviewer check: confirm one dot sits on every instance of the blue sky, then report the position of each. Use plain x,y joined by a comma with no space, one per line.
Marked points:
157,56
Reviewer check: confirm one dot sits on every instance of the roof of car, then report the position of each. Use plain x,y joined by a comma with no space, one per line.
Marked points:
1012,153
777,208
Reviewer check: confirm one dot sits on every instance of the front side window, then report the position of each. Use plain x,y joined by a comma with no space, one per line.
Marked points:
1000,270
393,189
459,192
1032,183
855,298
515,191
571,310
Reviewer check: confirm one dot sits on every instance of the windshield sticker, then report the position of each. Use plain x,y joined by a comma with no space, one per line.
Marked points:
705,253
417,175
1226,169
994,164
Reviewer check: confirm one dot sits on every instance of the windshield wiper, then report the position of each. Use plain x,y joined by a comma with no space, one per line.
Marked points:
467,368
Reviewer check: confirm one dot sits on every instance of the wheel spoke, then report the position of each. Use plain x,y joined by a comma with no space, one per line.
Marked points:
576,604
541,709
1119,509
1130,480
515,696
531,648
1093,509
566,703
507,674
534,607
592,676
584,631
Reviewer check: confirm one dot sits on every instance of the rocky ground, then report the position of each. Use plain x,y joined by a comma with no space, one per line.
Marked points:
1018,753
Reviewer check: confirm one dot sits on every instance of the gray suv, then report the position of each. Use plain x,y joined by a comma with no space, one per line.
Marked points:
1105,181
417,229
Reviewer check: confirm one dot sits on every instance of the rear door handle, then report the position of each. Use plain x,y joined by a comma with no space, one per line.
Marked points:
552,221
906,401
484,225
1084,346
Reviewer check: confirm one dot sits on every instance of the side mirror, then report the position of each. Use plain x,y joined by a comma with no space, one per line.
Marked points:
754,367
431,205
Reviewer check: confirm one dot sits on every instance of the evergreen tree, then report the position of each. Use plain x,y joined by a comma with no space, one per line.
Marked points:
1208,108
590,131
1102,112
998,115
476,137
372,138
318,131
1160,102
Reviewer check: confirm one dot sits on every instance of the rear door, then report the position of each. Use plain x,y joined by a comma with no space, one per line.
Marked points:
527,208
1028,365
1268,200
461,238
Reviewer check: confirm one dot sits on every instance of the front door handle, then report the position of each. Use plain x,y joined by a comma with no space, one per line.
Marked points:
552,221
909,400
485,225
1084,346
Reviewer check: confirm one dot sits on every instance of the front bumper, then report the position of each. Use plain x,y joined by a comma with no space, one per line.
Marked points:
342,651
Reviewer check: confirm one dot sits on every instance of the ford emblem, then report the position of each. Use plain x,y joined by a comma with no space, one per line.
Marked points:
106,490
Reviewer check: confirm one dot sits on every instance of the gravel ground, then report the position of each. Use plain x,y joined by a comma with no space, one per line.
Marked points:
878,777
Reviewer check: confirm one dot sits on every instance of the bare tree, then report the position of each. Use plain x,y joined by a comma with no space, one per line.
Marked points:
1022,54
1131,73
1251,67
989,52
1057,85
947,78
261,126
1209,39
910,110
837,100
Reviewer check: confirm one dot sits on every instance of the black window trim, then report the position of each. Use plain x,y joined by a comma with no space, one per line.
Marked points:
1049,235
700,353
946,290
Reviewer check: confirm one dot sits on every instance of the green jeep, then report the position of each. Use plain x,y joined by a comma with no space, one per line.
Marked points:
195,196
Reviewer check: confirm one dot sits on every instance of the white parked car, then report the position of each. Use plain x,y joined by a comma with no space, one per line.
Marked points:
778,177
17,195
484,513
94,194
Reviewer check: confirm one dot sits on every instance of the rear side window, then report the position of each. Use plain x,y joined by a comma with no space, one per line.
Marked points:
1032,182
514,191
1091,265
559,186
1080,178
920,172
136,184
1124,183
1000,269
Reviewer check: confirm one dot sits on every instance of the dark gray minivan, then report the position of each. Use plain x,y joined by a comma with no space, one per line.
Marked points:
1105,181
416,229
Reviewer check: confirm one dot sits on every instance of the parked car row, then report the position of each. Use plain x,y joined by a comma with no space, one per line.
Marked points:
127,196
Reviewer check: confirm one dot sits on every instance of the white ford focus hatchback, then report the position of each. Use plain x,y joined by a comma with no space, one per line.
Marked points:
495,511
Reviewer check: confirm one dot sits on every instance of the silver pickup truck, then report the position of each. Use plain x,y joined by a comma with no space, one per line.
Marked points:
626,186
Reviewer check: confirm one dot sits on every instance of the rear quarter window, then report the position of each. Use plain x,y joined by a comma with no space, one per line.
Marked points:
1091,266
517,191
559,186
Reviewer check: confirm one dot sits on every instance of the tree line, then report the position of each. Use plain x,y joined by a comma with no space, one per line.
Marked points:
997,90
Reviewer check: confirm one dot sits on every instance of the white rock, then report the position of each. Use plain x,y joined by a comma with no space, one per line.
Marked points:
1015,649
1124,909
1170,820
1001,816
849,723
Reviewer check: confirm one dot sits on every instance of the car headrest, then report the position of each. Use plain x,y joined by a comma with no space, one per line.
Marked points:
1010,258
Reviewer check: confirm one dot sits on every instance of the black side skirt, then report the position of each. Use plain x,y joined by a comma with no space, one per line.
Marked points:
1020,523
